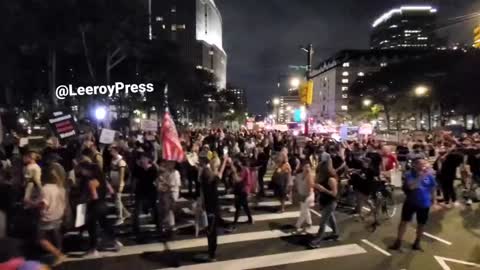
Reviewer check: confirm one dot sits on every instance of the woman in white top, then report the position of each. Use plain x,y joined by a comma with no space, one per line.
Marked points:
118,170
304,182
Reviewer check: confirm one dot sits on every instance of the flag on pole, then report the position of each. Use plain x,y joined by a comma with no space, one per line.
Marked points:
171,147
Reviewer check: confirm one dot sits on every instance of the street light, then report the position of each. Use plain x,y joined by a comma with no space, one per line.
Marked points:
367,102
295,83
276,101
100,113
421,91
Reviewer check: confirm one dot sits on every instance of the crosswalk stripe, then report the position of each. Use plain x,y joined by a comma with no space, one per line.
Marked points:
264,217
198,242
279,259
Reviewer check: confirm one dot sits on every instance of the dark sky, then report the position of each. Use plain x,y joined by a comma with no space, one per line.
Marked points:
262,37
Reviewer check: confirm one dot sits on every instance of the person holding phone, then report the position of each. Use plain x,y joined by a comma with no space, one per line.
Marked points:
420,188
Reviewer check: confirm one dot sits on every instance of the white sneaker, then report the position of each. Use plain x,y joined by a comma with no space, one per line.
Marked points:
93,254
118,244
469,202
119,222
457,204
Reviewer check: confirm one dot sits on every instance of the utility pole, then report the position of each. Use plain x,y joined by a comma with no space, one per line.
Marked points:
308,73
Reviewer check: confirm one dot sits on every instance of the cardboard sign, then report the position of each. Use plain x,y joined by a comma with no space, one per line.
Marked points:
63,125
366,129
107,136
148,125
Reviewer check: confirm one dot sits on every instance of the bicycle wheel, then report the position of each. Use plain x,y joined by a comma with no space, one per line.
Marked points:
389,208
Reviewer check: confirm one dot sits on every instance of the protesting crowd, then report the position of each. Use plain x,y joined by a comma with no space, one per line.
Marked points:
77,184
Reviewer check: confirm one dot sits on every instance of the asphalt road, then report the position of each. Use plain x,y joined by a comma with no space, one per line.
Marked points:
452,241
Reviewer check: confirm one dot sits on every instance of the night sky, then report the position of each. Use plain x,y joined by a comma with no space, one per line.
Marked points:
262,37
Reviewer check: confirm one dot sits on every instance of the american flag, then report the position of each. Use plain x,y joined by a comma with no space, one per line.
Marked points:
171,147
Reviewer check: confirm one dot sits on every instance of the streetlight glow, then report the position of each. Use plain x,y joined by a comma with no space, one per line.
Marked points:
421,91
295,82
276,101
100,113
367,102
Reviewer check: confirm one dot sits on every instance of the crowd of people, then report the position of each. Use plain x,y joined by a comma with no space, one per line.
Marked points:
47,186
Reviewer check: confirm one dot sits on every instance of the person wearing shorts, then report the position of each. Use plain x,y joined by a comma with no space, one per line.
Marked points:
420,188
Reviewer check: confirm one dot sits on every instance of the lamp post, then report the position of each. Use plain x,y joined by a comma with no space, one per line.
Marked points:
422,92
276,104
367,102
295,82
309,51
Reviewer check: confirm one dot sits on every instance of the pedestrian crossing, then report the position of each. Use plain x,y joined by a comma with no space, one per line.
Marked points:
271,241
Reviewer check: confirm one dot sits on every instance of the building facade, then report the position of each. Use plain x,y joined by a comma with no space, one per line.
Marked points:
196,26
411,27
334,77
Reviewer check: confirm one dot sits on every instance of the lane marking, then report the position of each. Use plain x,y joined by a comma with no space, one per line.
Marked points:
196,242
437,238
265,217
279,259
443,262
379,249
315,212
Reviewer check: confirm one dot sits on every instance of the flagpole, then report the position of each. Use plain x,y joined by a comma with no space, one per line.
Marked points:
165,96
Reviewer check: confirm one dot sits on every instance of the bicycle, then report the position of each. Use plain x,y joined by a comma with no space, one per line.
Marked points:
383,203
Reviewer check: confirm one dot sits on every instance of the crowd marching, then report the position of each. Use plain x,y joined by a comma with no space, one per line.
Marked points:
41,190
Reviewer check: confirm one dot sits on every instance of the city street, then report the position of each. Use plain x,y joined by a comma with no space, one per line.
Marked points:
269,244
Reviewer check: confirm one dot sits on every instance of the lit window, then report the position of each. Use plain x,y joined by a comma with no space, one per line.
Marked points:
173,10
163,26
361,74
344,108
344,96
345,73
181,26
346,64
383,64
174,27
393,26
422,38
159,19
344,80
344,88
199,67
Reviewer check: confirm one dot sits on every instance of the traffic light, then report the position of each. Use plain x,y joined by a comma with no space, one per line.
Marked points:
305,92
476,37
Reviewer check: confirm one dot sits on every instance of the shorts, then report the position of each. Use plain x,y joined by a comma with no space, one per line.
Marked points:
408,210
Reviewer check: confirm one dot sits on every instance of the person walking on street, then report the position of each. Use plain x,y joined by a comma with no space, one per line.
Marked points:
174,184
305,183
327,198
145,192
209,178
420,189
118,170
241,189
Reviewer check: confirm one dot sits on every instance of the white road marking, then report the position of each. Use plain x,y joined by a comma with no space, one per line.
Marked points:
442,261
376,247
197,242
315,212
264,217
437,238
279,259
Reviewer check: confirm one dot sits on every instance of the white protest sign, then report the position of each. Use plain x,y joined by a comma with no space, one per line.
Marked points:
23,142
148,125
107,136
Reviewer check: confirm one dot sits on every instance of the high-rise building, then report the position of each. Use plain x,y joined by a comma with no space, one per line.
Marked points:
334,77
196,26
476,37
411,27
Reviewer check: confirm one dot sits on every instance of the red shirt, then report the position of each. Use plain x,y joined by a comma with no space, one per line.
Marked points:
389,162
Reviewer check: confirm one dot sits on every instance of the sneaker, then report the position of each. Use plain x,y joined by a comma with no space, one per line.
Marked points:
396,246
469,202
118,244
416,246
93,254
119,222
457,204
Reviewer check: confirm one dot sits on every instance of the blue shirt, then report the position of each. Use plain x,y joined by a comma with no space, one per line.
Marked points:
421,196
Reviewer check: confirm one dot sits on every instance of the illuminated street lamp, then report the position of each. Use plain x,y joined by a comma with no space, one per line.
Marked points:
22,120
421,91
367,102
100,113
276,101
295,82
